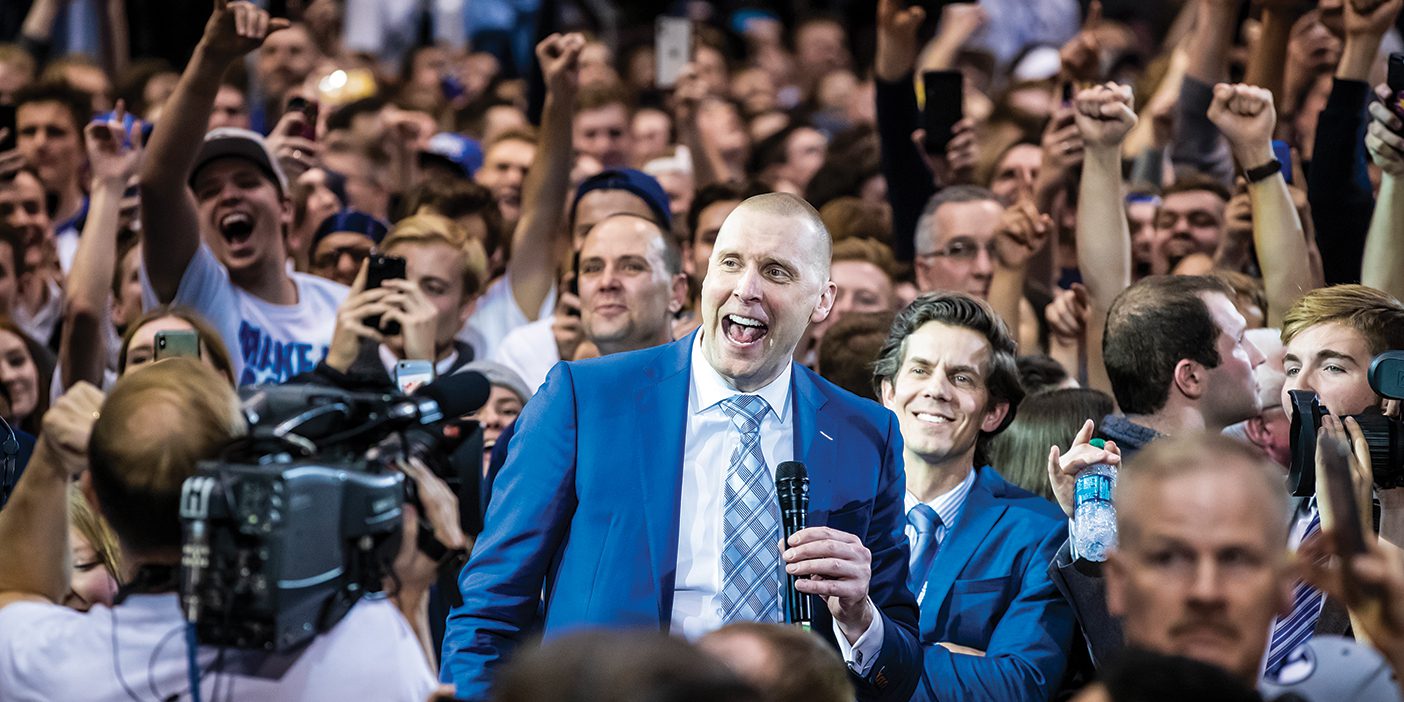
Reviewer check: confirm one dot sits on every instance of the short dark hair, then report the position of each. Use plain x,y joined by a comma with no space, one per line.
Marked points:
849,349
78,104
1151,327
1194,180
455,198
713,193
957,309
1038,372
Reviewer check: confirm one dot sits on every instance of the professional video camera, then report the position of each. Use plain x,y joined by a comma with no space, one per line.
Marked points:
295,522
1384,434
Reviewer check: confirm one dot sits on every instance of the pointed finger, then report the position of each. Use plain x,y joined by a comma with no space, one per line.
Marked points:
1084,435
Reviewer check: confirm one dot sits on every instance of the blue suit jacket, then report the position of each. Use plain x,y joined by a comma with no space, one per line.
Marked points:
585,512
989,589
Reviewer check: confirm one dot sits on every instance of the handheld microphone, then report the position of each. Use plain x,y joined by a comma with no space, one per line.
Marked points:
792,487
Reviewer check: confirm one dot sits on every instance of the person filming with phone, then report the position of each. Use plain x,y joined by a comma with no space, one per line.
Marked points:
407,303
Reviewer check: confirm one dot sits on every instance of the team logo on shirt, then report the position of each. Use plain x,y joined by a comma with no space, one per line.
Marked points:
270,360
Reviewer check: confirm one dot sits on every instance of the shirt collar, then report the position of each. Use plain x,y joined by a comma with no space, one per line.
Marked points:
948,505
709,388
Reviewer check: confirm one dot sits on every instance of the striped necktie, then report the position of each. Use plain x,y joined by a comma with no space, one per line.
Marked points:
925,521
1291,632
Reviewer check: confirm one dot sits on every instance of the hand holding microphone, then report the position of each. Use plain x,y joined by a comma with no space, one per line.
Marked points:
821,561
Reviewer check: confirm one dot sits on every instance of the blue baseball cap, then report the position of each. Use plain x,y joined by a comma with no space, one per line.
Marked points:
637,182
350,221
456,150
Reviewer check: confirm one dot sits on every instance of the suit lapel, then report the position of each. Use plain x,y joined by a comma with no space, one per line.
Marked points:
662,412
982,509
814,443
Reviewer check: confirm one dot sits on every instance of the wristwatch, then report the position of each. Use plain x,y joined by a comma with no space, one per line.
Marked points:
1259,173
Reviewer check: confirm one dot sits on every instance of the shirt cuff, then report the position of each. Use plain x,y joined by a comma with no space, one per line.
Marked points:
861,655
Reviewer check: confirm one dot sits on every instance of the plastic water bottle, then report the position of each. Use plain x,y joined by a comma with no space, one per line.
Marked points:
1094,516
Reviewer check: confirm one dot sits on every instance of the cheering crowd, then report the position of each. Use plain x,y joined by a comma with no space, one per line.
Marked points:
957,259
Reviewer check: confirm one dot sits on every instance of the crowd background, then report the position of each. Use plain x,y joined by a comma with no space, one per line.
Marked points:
168,168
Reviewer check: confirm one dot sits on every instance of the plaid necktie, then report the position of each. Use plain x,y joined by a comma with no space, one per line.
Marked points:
1293,631
751,572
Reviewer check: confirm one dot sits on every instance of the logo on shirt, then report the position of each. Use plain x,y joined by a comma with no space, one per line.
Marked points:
270,360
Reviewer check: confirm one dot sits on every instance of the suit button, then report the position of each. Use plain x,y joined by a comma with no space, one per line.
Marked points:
719,611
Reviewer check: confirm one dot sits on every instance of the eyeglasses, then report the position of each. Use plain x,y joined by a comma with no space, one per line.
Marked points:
328,259
961,249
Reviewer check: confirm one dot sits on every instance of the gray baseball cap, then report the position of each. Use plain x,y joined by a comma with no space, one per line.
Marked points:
240,143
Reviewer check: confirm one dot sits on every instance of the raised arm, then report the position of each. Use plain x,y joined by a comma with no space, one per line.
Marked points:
1104,116
1245,115
535,243
909,179
1383,265
1198,145
1338,186
34,554
112,159
170,231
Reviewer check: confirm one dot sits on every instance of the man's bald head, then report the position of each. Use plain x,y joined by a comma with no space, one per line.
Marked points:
799,217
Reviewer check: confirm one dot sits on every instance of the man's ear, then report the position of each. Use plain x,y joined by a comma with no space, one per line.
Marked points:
1189,379
825,304
677,299
1257,432
994,416
887,395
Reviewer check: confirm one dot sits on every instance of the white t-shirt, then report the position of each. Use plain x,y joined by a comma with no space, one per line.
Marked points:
496,315
531,351
269,343
50,652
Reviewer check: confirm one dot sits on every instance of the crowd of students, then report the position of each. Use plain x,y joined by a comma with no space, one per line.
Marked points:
1149,224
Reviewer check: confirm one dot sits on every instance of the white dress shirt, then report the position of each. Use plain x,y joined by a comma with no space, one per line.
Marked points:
948,507
710,440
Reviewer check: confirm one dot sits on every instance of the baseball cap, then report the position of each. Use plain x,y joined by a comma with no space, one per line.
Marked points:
350,221
240,143
637,182
455,149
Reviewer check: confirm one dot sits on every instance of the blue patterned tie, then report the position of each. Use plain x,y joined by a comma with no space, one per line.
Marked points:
751,573
925,521
1290,633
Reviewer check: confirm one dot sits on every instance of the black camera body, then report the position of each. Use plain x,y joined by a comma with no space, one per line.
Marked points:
1384,434
297,521
286,548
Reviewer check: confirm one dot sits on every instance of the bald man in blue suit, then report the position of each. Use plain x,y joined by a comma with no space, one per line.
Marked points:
639,488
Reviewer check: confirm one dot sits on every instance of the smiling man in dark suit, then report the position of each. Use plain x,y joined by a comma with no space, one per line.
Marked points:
992,624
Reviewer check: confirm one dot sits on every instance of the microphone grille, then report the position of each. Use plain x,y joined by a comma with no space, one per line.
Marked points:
791,470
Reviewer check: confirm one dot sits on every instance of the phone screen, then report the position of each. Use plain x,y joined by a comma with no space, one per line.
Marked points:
943,108
412,375
672,48
380,269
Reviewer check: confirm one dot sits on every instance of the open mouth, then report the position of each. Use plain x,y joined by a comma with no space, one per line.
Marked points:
743,331
236,227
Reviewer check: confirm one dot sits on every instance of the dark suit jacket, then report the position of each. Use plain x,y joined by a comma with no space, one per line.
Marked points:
585,512
989,589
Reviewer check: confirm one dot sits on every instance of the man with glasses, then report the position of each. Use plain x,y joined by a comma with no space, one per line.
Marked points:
955,241
342,243
957,250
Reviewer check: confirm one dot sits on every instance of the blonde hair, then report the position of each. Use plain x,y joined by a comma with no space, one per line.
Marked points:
95,531
437,229
1375,314
158,423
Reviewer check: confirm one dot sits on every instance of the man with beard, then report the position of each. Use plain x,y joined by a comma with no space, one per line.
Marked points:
232,192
